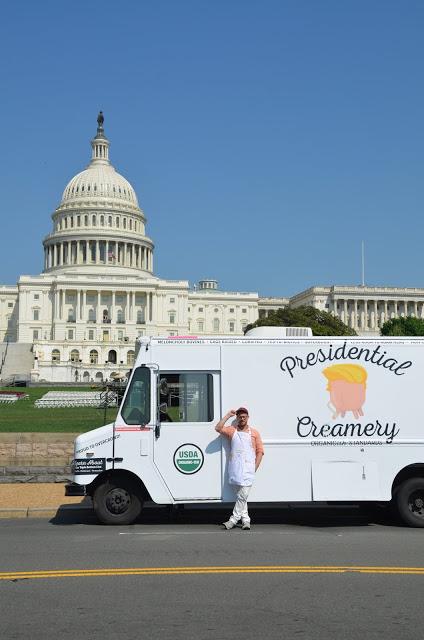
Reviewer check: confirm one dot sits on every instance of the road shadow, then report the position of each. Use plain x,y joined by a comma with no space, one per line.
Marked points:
299,515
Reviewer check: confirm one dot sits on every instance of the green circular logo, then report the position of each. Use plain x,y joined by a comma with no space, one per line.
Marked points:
188,459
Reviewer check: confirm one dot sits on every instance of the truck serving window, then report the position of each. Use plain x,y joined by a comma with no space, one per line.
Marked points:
136,408
186,397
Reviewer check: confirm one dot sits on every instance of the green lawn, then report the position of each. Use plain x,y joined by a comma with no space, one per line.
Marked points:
24,416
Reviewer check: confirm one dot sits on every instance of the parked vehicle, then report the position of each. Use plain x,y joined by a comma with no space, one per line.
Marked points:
341,420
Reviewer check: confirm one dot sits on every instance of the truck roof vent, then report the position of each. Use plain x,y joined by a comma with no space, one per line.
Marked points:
279,332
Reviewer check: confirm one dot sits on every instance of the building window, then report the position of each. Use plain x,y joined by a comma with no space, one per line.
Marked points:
94,356
120,335
55,355
244,310
200,309
35,314
172,317
91,334
75,355
35,334
70,334
91,315
216,310
232,327
172,300
130,358
216,325
232,310
140,319
36,296
200,325
10,304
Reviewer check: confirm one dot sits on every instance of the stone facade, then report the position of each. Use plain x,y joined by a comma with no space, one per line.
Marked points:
36,457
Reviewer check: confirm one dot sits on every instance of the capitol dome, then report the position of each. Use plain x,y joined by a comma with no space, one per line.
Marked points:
98,223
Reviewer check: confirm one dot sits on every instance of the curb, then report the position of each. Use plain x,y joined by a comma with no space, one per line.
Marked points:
42,512
14,513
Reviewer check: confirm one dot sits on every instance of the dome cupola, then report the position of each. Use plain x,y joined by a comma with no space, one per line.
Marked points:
100,144
100,181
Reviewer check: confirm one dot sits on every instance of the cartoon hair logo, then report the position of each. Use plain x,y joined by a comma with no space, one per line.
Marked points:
347,385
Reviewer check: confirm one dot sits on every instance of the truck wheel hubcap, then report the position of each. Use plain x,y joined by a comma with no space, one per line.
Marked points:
416,503
118,501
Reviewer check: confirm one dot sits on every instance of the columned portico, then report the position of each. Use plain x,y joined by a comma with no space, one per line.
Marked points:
364,309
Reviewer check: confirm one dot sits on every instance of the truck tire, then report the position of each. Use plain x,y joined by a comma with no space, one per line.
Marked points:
117,502
409,501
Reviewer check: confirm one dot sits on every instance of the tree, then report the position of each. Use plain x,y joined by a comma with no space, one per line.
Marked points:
408,326
321,322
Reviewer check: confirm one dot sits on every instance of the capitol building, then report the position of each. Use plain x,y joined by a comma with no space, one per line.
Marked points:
78,320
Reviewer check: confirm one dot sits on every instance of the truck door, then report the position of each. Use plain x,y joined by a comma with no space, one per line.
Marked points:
187,449
136,418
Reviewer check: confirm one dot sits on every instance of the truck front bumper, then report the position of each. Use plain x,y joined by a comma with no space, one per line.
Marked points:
74,489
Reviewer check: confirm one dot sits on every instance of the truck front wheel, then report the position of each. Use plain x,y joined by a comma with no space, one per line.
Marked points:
409,500
117,502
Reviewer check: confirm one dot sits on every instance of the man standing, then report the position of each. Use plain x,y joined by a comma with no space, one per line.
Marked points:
245,457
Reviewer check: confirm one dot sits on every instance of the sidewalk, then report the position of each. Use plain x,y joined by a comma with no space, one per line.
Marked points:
37,500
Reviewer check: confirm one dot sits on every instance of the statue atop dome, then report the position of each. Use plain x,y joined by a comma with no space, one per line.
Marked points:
100,121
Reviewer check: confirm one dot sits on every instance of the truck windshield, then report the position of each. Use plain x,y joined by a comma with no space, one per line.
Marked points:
136,407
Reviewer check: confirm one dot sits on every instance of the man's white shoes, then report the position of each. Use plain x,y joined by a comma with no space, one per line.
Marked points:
230,525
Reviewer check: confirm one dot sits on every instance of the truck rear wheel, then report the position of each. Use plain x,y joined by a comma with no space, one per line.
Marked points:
409,500
117,502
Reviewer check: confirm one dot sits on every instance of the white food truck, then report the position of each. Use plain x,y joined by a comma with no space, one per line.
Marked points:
342,419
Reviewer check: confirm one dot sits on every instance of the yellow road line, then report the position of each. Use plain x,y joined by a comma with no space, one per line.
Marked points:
193,570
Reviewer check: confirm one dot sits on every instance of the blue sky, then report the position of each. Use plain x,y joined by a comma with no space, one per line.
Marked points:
265,139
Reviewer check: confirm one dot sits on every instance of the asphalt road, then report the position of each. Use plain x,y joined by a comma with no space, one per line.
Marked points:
299,573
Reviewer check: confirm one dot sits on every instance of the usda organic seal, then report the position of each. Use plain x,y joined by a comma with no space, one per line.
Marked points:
188,459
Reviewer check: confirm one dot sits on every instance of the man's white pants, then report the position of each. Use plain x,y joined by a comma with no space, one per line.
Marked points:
240,511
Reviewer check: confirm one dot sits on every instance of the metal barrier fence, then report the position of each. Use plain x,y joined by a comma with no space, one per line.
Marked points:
56,399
